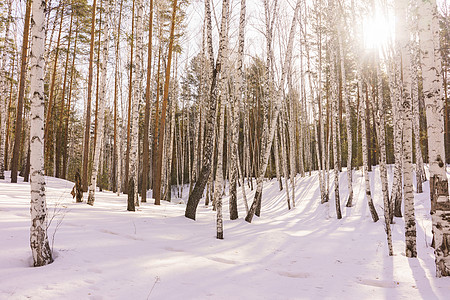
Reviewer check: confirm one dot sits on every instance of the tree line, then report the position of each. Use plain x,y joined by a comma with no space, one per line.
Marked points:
98,90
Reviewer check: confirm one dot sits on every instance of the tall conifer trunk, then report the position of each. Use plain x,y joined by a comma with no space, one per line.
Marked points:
89,100
159,151
148,94
20,98
4,92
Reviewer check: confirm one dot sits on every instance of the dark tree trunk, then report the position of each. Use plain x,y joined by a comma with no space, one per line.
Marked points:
88,107
145,159
131,206
19,111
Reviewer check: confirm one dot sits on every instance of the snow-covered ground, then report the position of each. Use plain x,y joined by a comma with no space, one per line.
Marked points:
105,252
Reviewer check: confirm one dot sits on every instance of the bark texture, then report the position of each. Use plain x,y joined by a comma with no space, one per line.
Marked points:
40,247
434,104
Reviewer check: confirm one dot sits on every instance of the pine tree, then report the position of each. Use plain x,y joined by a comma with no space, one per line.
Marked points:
4,91
20,97
85,175
159,151
148,92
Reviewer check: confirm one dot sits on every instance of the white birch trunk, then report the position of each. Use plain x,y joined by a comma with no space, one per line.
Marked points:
348,120
137,95
281,131
372,209
276,153
40,248
335,122
434,103
101,109
396,194
236,104
415,71
269,134
218,186
403,46
381,133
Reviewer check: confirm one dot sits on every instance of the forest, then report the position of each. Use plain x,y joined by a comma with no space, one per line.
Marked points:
231,111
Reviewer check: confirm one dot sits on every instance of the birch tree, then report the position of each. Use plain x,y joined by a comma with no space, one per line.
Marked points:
372,209
137,92
101,108
216,68
381,133
408,196
269,133
434,104
335,106
348,119
89,100
40,248
415,71
148,91
235,107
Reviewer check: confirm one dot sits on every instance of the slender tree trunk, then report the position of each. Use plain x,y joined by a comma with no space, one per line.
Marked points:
89,100
130,106
40,247
148,91
381,133
269,134
348,120
403,40
276,154
415,71
282,133
4,92
372,209
8,116
159,151
236,103
60,143
116,157
101,109
20,99
335,120
49,126
137,89
396,194
218,187
197,192
67,113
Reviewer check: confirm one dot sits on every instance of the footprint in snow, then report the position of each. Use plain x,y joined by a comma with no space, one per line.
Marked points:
89,281
294,275
121,235
93,270
222,260
173,249
378,283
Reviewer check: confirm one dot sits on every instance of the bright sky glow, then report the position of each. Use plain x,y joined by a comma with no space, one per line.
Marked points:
378,31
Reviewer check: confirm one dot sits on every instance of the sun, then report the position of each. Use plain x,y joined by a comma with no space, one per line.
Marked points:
377,31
